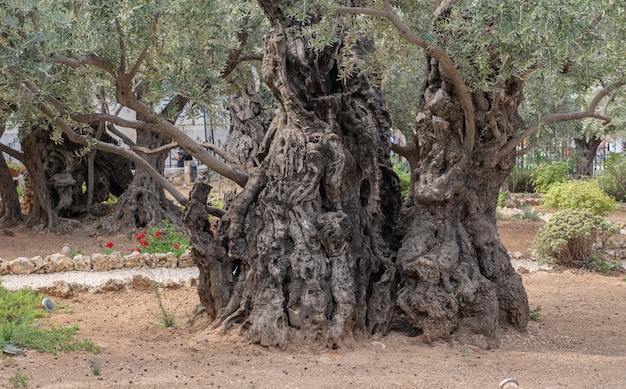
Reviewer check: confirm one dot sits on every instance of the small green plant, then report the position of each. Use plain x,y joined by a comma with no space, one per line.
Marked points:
550,173
528,213
18,314
75,253
570,237
579,194
216,201
112,199
95,366
535,313
167,317
404,174
464,353
603,266
18,380
162,240
502,196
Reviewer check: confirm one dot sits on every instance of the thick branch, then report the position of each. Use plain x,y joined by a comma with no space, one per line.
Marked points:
168,129
89,59
563,117
436,52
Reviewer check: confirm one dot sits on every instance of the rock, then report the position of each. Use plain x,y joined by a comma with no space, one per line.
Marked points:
99,262
66,250
141,282
148,260
132,261
82,262
38,262
113,285
57,263
517,255
186,260
22,265
58,289
115,261
167,260
4,267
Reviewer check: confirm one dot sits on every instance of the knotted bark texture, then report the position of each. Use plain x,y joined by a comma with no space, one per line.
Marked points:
456,275
300,250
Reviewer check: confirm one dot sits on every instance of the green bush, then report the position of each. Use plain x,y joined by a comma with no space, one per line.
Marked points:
569,238
579,194
520,180
550,173
404,174
613,179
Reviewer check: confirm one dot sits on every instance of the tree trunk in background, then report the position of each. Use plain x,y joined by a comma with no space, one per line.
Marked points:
143,204
58,175
10,213
301,254
456,275
584,155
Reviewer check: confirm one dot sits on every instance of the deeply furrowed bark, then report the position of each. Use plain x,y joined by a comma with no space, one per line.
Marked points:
456,275
301,249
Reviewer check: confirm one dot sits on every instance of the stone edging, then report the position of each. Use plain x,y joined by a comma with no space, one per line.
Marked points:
56,263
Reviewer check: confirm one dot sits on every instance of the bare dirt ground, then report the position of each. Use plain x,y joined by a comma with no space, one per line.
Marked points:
579,340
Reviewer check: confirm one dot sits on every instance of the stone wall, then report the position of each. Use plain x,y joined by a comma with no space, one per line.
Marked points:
56,263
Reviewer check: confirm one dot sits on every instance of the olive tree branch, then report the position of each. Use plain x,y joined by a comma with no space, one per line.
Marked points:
436,52
590,112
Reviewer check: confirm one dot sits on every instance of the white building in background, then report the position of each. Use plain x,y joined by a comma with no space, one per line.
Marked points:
204,127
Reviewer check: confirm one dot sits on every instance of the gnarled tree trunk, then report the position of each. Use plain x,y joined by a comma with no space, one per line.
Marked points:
301,254
456,275
143,204
10,213
58,175
249,124
584,155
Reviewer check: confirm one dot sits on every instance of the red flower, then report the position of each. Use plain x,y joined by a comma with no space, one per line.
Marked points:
158,234
143,242
110,245
133,250
140,236
176,246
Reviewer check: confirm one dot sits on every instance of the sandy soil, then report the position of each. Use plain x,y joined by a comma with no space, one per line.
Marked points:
577,342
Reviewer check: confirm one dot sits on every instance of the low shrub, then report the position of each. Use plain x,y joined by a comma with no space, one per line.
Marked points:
579,194
520,180
613,178
571,238
550,173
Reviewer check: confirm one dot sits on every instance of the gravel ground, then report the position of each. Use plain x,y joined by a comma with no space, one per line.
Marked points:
95,279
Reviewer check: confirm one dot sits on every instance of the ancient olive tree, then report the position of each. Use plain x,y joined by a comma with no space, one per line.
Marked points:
302,254
456,276
127,56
